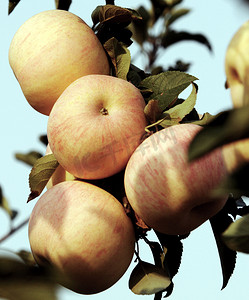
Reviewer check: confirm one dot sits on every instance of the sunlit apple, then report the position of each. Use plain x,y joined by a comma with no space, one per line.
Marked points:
83,234
95,126
51,50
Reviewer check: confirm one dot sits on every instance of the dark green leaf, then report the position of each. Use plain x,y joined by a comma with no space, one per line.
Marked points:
135,75
120,57
42,170
227,256
226,127
12,5
173,250
148,279
171,37
44,139
29,158
113,14
63,4
165,87
236,236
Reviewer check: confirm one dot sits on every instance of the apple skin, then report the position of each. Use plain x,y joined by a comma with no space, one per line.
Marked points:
83,234
237,66
171,195
95,126
51,50
59,174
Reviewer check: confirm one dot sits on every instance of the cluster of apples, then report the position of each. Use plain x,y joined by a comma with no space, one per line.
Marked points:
96,124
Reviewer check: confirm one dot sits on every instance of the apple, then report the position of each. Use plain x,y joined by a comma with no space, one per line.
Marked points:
59,174
171,195
237,66
51,50
95,126
83,234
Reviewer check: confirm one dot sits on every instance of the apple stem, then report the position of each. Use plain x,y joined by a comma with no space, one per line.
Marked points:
104,111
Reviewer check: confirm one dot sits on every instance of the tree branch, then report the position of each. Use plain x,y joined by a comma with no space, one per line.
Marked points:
110,2
13,230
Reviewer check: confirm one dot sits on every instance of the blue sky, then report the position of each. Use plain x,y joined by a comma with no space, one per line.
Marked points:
200,274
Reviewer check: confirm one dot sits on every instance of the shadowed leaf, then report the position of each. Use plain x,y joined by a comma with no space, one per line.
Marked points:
171,37
112,14
29,158
226,127
148,279
42,170
120,57
12,5
236,236
173,250
219,223
236,183
23,282
139,27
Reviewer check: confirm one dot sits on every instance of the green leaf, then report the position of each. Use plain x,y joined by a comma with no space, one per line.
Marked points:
166,86
226,127
172,37
120,57
236,236
23,282
175,114
148,279
176,14
42,170
236,183
205,119
63,4
12,5
29,158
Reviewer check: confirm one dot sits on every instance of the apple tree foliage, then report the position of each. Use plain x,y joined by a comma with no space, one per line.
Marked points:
117,28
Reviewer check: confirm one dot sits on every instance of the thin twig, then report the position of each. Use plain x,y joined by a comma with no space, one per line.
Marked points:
110,2
14,229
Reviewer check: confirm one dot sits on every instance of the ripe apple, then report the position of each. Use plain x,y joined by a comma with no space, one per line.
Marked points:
83,234
171,195
59,174
95,125
237,66
51,50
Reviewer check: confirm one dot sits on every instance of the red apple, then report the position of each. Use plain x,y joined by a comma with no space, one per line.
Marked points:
83,234
171,195
95,126
51,50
